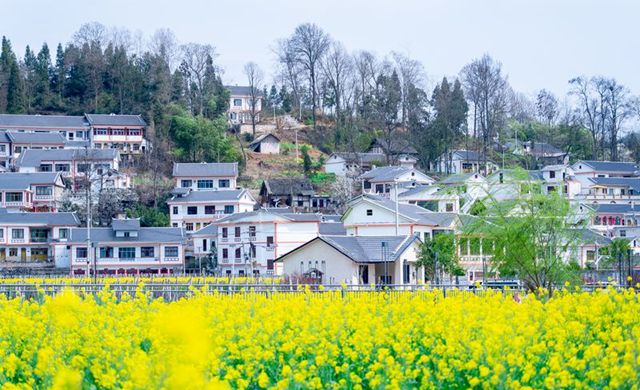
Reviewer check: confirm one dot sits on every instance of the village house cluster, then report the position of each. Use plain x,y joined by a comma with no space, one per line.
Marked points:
285,227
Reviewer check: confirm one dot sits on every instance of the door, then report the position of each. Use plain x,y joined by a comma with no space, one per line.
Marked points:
23,254
364,274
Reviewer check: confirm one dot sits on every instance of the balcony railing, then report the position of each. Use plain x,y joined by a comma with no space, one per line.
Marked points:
17,204
43,197
18,240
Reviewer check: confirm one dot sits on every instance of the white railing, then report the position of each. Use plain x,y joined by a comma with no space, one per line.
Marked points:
43,197
17,204
18,240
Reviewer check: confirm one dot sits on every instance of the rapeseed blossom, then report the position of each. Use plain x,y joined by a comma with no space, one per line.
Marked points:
322,340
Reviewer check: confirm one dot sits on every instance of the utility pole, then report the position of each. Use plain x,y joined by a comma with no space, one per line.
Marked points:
395,184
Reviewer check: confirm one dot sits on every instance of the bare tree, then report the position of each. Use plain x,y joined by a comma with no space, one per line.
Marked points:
337,68
411,73
619,108
582,89
164,44
290,72
367,69
255,79
309,44
488,89
195,60
547,106
91,33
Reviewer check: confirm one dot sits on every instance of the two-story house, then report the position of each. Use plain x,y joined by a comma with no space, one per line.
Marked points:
384,181
29,237
102,165
463,161
12,143
40,191
584,170
612,189
126,248
241,102
205,176
73,128
194,210
123,132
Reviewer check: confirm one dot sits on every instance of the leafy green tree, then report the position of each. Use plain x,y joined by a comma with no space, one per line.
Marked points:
149,216
439,254
615,252
533,237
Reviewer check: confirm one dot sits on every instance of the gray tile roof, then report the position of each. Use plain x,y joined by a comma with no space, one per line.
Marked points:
283,212
332,229
209,196
368,249
32,121
261,138
469,155
359,158
589,236
40,138
459,178
115,120
52,219
205,169
616,208
398,146
287,186
543,148
22,181
33,157
385,174
414,191
236,90
610,166
630,182
128,224
209,230
146,234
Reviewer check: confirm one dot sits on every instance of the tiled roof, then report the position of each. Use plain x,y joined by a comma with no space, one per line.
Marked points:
128,224
368,249
33,157
386,174
210,196
205,169
286,186
24,137
629,182
145,234
31,121
358,158
262,138
610,166
616,208
52,219
115,120
22,181
236,90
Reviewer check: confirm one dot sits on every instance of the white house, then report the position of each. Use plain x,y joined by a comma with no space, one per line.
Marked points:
194,210
432,198
583,170
248,243
30,237
123,132
369,215
12,143
101,164
463,161
241,102
612,189
352,164
356,260
266,144
384,181
40,191
205,176
125,248
473,184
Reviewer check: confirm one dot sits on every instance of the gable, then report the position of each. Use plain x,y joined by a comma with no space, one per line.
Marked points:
357,214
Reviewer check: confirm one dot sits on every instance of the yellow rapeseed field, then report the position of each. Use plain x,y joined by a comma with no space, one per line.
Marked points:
379,340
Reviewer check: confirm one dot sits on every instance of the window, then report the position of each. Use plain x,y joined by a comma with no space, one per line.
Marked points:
1,234
81,253
147,251
204,244
186,183
136,147
43,190
126,253
369,212
17,233
269,241
237,102
237,231
223,183
100,131
228,209
189,226
14,197
252,231
106,252
192,210
45,168
3,148
225,232
270,264
449,207
367,185
552,174
300,203
13,251
209,210
127,234
117,132
225,253
205,184
623,233
238,253
62,167
175,210
84,167
134,132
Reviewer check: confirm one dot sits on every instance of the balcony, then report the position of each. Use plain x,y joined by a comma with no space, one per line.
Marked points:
18,240
17,204
43,197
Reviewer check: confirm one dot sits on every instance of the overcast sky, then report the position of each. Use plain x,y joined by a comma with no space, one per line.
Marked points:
541,43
